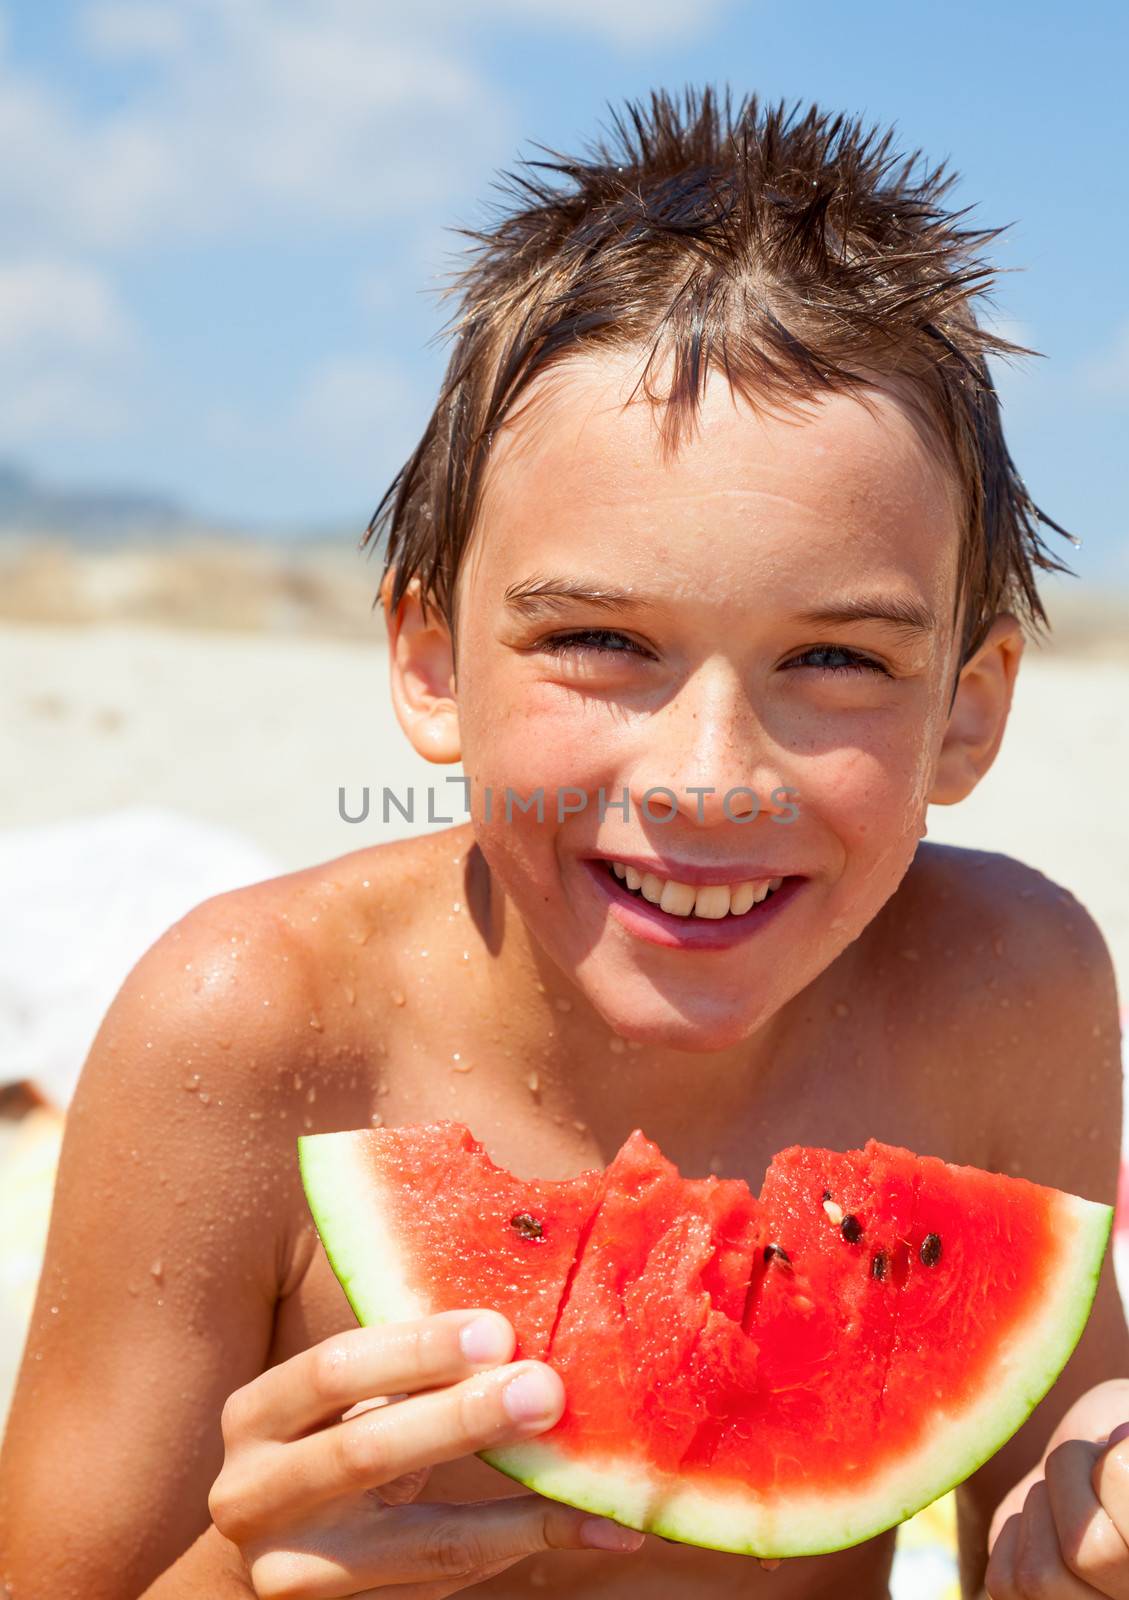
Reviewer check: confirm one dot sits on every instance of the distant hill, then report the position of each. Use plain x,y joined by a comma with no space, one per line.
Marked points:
28,505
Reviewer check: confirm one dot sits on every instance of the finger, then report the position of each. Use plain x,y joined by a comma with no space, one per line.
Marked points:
999,1580
1109,1479
1039,1565
317,1385
1012,1503
435,1544
275,1485
1091,1546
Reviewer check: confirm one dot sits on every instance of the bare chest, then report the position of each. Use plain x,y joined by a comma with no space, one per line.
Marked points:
840,1085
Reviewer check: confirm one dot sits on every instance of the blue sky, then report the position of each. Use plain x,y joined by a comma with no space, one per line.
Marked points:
222,216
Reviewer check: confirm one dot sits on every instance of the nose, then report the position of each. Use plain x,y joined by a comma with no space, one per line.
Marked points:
706,756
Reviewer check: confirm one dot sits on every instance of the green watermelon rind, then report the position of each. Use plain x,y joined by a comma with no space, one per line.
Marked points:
366,1260
364,1256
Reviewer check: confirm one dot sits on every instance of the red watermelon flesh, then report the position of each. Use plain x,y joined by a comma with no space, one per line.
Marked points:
781,1375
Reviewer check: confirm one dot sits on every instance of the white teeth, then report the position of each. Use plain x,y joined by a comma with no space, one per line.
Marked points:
678,899
712,901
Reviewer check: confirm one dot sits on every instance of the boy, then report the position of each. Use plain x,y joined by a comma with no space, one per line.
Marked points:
739,660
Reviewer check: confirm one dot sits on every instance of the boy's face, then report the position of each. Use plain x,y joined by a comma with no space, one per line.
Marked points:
706,676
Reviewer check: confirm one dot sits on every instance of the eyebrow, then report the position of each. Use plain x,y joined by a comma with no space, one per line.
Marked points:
533,597
538,596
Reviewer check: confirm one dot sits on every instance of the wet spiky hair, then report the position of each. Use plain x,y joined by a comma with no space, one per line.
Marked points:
795,253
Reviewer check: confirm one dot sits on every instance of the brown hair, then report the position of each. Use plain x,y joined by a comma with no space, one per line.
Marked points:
794,253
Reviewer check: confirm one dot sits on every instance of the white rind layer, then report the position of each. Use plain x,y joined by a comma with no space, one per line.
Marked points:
340,1174
345,1198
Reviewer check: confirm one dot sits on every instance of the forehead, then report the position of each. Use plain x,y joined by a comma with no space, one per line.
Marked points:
841,477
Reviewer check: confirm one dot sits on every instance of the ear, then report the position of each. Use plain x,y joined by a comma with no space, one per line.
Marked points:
422,660
979,713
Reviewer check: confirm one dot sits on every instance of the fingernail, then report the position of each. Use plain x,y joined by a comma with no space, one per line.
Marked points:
532,1396
485,1340
597,1533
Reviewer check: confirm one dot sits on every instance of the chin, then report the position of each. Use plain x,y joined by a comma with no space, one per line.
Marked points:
655,1021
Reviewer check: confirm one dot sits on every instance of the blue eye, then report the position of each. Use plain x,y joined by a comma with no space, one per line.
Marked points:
853,661
591,639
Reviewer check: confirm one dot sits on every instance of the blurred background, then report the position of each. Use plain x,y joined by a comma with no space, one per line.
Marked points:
225,225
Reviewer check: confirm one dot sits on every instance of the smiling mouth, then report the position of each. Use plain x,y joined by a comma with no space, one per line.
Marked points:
712,903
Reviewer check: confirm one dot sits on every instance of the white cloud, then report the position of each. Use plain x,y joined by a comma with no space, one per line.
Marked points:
66,343
247,116
132,29
59,304
624,22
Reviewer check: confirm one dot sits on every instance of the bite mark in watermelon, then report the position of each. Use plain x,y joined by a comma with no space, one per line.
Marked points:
779,1376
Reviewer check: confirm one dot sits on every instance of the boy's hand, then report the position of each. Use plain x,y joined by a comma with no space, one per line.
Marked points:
1063,1532
319,1502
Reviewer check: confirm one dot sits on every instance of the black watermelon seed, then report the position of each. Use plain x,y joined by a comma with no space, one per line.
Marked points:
776,1252
851,1229
527,1226
826,1194
878,1265
930,1250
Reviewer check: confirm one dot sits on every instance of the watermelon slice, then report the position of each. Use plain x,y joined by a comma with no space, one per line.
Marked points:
779,1376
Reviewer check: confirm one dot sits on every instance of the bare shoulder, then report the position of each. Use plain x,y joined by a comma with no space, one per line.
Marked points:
1019,983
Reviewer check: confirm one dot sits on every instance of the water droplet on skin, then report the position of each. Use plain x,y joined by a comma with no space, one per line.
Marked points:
581,1127
466,955
307,1122
459,1065
616,1046
398,999
317,1024
909,954
534,1083
297,1080
350,995
457,907
192,1084
54,1311
157,1271
311,1094
842,1009
377,1120
133,1288
205,1098
716,1164
563,1003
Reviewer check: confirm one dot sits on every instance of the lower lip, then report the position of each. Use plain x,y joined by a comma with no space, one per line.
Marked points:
656,926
